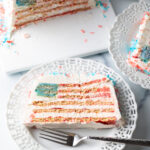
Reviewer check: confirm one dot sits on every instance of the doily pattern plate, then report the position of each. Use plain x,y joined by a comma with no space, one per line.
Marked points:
123,31
127,103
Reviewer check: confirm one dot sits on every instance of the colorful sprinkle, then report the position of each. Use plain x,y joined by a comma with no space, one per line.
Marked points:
4,31
9,41
104,5
60,67
92,32
85,40
113,81
42,74
82,31
100,26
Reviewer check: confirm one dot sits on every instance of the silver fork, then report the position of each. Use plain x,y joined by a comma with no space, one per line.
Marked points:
71,139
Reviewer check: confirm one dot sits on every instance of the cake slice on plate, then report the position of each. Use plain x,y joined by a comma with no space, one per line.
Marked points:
139,55
72,101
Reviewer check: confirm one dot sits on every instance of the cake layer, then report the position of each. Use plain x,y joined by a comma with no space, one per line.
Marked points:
77,103
74,99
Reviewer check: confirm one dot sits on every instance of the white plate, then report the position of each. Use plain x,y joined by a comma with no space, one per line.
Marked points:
28,139
58,38
123,31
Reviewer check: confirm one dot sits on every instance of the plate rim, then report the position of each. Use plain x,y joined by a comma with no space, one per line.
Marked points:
80,59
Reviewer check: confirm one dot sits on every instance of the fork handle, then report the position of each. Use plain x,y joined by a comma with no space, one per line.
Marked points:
141,142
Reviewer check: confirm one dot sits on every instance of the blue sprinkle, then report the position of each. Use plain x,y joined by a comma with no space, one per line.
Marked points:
133,45
93,74
104,16
113,81
55,73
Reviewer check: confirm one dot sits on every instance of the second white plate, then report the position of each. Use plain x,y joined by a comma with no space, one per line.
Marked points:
123,31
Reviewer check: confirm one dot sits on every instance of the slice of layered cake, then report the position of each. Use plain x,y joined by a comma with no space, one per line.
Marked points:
72,101
22,12
139,56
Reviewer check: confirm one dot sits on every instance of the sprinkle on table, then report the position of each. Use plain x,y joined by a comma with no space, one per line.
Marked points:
60,67
82,31
92,32
85,40
100,26
103,5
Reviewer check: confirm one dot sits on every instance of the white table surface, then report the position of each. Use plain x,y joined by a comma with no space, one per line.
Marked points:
142,97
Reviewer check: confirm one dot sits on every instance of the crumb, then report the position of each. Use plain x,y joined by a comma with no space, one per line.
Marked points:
85,40
27,35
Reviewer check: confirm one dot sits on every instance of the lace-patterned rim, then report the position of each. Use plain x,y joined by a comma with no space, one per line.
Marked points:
120,28
21,134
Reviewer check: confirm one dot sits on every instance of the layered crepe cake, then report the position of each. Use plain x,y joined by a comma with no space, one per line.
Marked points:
72,101
139,55
19,13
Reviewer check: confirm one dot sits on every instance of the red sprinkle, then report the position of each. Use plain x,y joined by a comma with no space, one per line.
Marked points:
85,40
42,74
9,41
105,5
60,67
92,32
67,75
82,30
29,94
100,26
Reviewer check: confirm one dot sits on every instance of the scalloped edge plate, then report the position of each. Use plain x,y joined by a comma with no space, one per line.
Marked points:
120,62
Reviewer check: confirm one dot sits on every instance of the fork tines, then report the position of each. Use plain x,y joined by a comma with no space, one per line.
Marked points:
56,136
